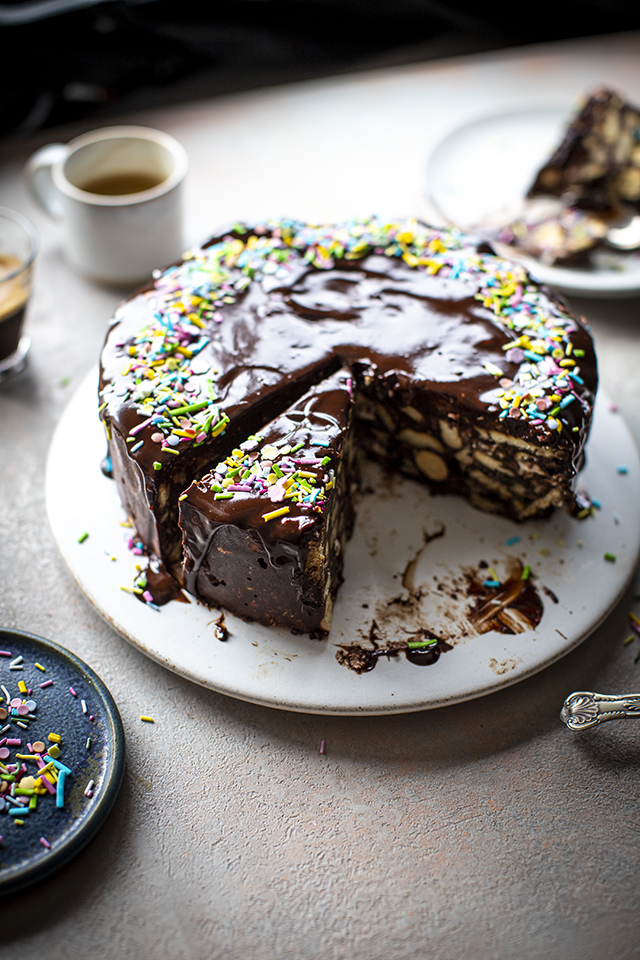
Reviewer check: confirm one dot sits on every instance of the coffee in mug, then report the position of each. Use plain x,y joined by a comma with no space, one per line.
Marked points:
117,195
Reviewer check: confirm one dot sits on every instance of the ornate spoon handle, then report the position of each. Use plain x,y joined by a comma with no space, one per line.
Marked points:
583,709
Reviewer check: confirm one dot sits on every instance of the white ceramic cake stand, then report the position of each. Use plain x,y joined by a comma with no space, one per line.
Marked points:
269,666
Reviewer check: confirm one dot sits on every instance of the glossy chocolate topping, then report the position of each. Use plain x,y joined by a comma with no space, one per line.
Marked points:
231,338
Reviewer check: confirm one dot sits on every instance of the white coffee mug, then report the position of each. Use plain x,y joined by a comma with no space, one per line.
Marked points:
117,193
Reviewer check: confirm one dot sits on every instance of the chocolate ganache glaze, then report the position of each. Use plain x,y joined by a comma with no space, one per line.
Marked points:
442,361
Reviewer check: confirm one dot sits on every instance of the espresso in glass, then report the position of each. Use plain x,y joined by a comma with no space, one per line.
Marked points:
18,244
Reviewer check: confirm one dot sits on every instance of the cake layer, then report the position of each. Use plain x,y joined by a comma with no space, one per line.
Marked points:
467,374
264,532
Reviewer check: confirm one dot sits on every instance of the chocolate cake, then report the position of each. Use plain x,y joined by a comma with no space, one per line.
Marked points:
597,165
238,388
265,545
590,183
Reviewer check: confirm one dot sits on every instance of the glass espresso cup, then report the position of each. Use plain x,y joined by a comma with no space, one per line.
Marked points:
18,247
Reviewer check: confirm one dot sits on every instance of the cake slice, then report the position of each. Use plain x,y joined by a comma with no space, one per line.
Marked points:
597,165
591,182
264,532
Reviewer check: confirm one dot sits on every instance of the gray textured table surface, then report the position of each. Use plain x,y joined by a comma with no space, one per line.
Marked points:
481,830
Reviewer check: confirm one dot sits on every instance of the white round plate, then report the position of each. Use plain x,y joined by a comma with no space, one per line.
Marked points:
480,173
270,666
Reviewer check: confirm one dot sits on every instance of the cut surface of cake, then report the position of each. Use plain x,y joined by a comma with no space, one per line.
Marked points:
444,362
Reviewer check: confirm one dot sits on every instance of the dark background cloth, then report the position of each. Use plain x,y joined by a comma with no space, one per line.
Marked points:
103,59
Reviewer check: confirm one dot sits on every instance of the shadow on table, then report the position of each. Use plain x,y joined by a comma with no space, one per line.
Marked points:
473,730
66,890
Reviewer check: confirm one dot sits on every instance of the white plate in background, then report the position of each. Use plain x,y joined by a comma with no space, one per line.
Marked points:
480,173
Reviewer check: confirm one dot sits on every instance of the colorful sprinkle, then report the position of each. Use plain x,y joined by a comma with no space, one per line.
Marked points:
83,537
160,361
276,513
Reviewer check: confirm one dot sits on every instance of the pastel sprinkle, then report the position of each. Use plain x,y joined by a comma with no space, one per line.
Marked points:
83,537
611,557
147,719
622,469
512,541
275,513
159,362
40,667
60,789
47,683
526,573
322,745
45,843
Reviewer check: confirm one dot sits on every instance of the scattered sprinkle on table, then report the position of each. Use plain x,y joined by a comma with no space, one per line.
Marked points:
611,557
622,469
83,537
148,719
322,746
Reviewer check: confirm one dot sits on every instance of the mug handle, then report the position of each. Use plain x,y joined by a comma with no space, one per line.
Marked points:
40,181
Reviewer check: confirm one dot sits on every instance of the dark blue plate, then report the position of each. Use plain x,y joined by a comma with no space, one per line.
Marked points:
24,859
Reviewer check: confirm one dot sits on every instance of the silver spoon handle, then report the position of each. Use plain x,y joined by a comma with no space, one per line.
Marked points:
583,709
